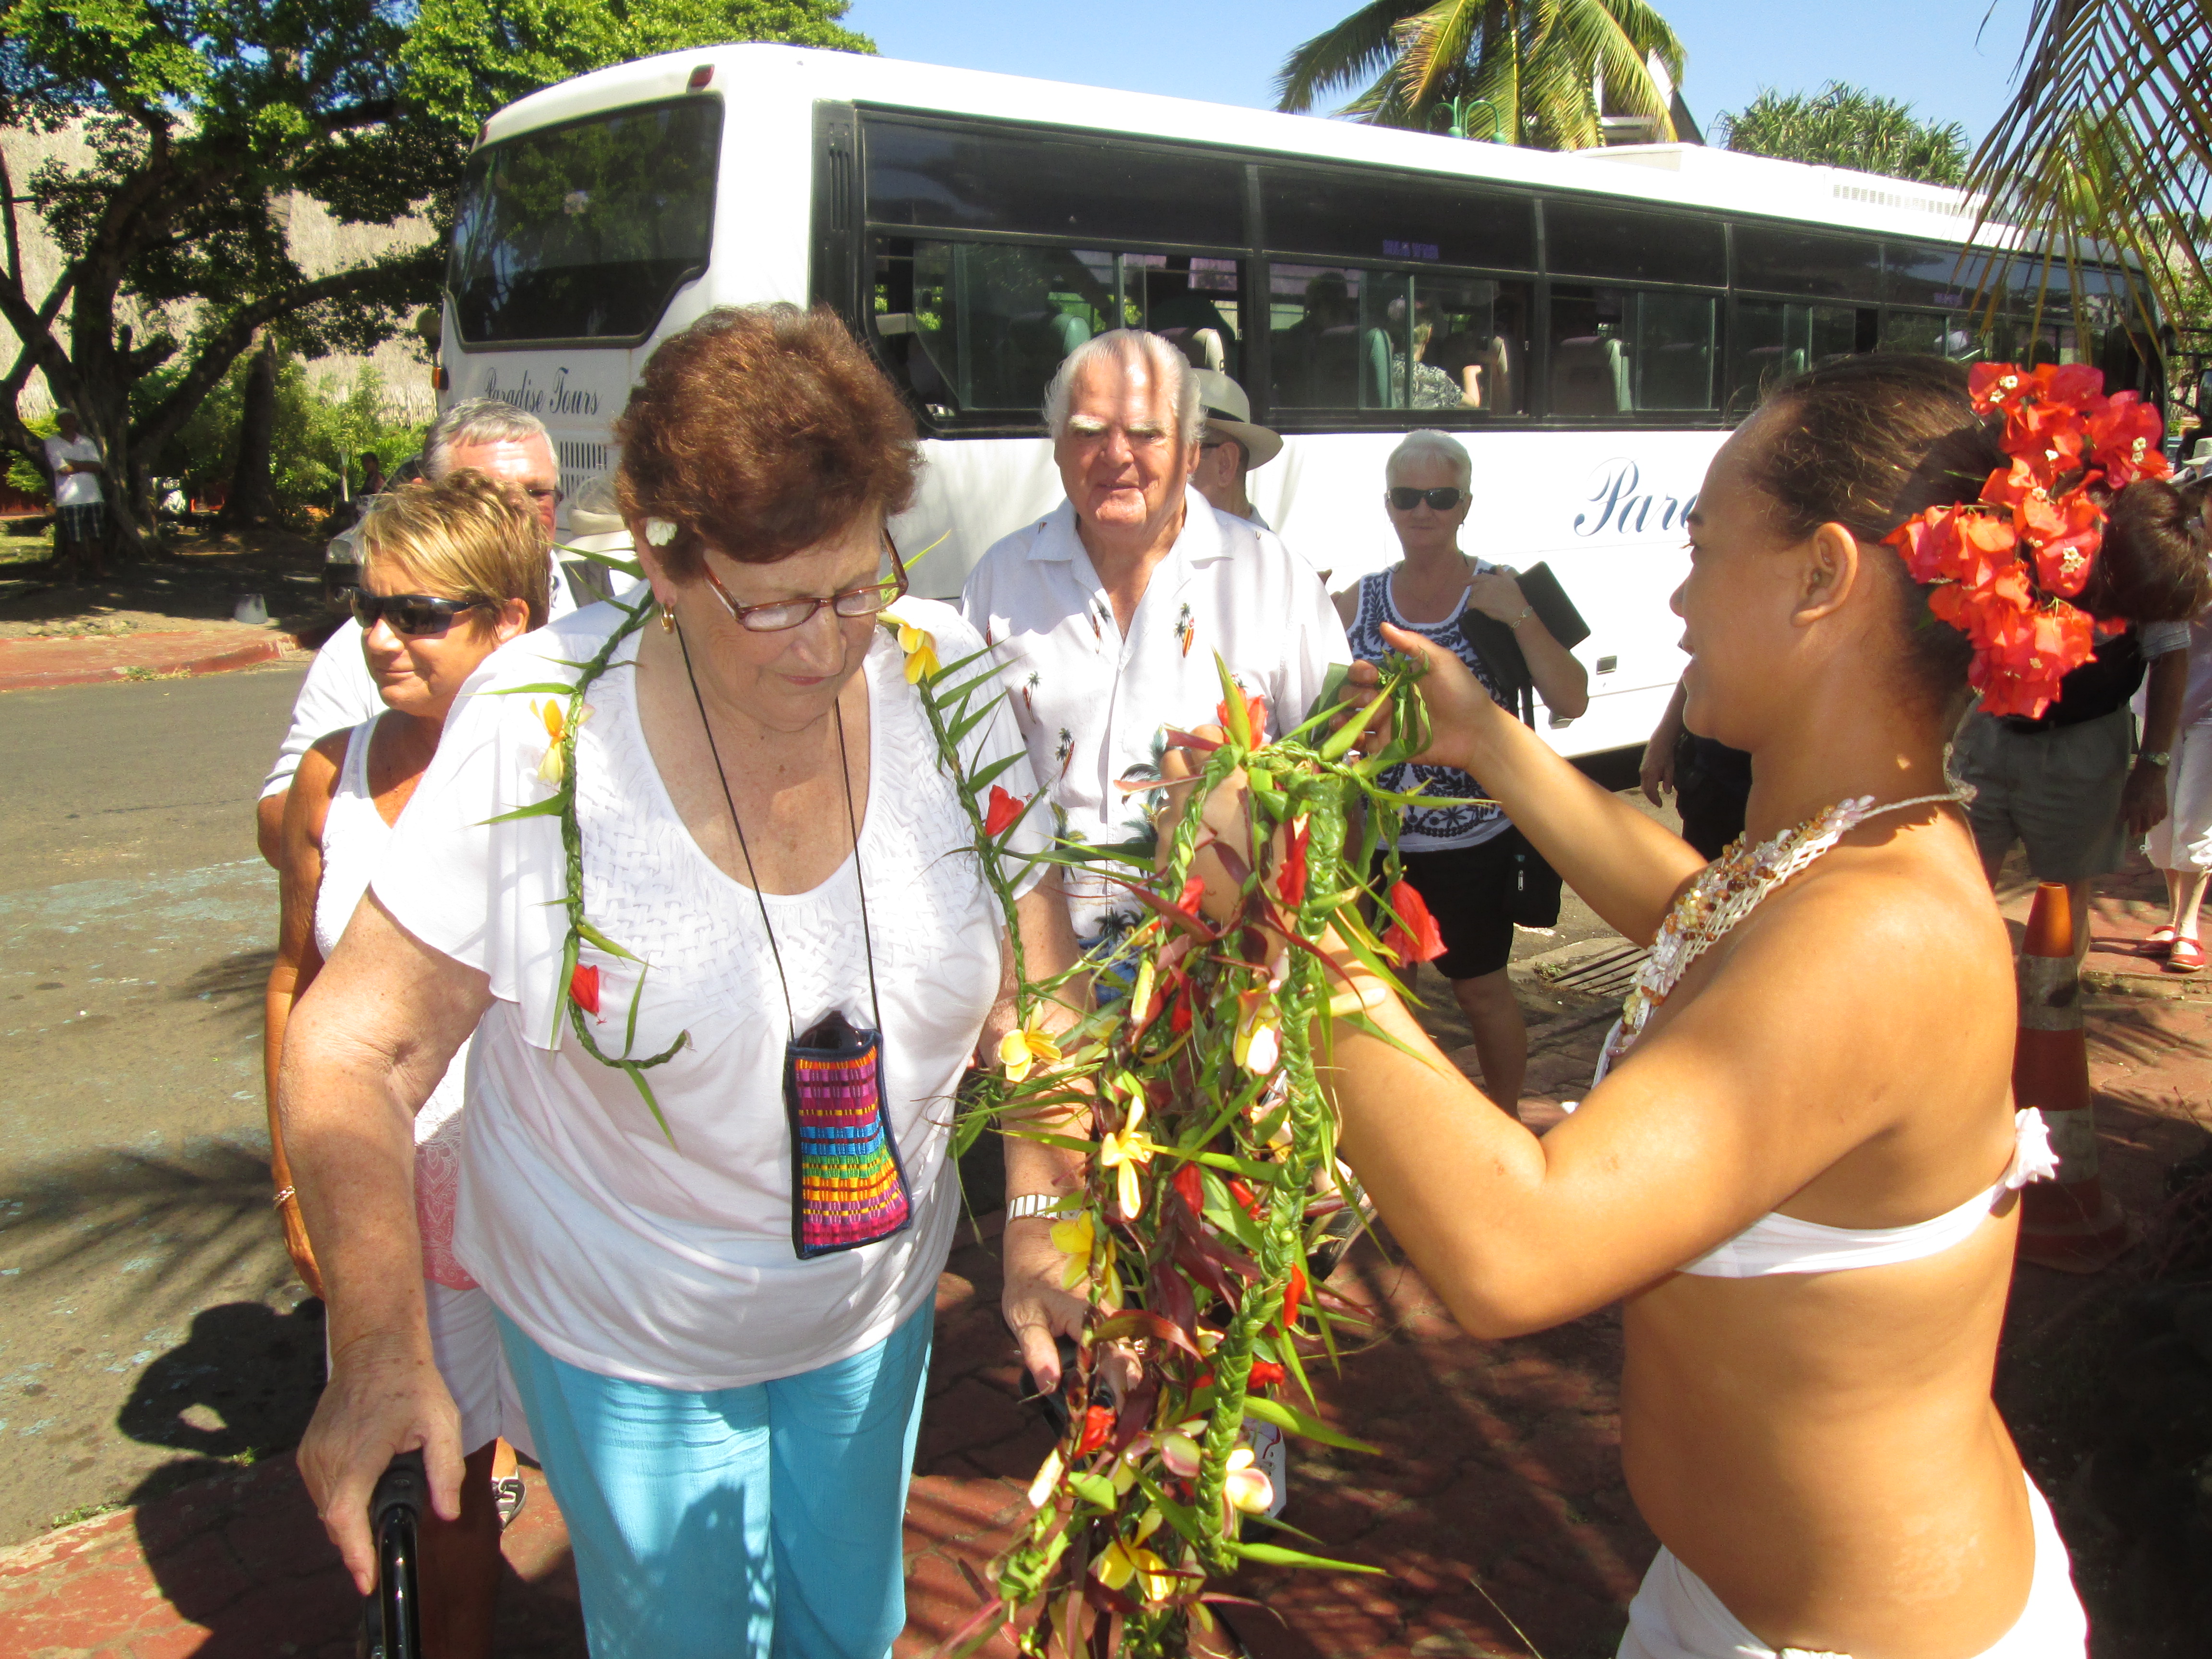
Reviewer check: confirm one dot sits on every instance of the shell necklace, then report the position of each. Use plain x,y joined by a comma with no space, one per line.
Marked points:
1726,891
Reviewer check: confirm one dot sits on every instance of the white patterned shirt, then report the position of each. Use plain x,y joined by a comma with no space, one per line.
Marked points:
1092,703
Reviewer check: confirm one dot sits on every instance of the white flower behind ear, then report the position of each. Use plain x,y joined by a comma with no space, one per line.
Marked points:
661,532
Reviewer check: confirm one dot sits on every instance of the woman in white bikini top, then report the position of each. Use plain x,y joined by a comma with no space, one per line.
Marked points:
1798,1174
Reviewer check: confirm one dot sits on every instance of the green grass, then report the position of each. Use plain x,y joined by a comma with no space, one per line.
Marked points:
82,1512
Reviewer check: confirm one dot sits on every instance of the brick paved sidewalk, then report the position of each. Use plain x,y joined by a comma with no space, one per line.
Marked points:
1496,1497
27,664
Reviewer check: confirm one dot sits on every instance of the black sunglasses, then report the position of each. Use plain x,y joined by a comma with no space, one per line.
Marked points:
1406,498
419,616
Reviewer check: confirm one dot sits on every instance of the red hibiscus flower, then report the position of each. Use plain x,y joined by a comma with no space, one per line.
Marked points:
1005,811
584,989
1414,936
1255,711
1291,879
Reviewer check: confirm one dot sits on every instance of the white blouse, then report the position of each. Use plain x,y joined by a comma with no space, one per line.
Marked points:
613,1250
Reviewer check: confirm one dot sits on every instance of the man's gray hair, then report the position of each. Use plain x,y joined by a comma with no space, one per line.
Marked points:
1429,444
479,421
1127,346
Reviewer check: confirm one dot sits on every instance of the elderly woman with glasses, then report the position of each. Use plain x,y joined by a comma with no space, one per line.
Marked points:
1461,859
700,871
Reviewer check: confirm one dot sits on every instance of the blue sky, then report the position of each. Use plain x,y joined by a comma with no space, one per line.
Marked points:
1936,54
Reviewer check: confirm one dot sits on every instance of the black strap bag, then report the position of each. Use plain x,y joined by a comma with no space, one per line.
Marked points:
1534,900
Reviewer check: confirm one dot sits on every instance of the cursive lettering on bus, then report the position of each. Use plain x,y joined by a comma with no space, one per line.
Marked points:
561,399
1619,502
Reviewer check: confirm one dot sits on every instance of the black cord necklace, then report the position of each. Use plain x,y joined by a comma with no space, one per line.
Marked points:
848,1184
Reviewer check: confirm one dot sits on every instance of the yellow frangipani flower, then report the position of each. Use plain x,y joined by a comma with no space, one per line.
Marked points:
921,648
1021,1050
1075,1238
1259,1033
1124,1151
557,729
1121,1562
1248,1489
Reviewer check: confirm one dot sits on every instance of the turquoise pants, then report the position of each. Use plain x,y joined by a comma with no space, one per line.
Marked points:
763,1522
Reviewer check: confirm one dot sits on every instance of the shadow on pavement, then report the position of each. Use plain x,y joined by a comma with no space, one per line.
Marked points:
241,1387
116,1214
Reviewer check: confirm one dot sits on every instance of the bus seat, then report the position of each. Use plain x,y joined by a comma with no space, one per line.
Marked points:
1071,330
1589,376
1374,369
1201,345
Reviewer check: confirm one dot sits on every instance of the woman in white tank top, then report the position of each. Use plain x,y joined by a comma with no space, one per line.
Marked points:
449,574
1799,1174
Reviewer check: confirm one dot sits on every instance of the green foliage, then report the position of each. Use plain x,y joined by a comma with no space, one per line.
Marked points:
317,424
1845,126
206,120
1533,64
466,59
2107,138
21,475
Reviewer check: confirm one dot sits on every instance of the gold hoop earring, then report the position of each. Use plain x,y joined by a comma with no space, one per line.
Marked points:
667,620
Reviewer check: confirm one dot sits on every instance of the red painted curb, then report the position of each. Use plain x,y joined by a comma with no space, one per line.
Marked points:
243,656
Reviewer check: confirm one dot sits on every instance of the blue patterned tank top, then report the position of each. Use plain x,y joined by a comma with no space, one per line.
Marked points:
1429,829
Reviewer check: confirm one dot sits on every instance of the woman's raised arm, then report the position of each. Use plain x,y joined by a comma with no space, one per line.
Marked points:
1701,1130
368,1043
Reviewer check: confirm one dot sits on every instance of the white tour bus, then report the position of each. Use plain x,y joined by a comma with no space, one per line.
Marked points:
1590,324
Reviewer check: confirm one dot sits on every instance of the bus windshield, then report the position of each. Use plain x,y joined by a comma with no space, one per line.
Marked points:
585,232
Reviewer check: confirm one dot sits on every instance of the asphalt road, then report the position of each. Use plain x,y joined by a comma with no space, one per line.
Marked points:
149,1326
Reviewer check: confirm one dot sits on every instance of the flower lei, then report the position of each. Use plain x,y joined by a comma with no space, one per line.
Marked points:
2006,565
1194,1105
581,983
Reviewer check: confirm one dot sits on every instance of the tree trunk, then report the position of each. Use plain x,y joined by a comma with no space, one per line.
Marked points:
252,499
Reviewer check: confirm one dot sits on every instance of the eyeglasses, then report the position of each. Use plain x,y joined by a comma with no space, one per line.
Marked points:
1443,498
785,614
418,616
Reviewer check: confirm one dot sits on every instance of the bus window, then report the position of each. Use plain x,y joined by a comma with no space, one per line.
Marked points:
1380,216
1602,240
971,177
1935,334
1784,261
585,232
1346,337
1776,340
979,328
1190,299
1617,351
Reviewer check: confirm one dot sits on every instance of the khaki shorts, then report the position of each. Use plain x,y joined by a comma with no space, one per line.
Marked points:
2056,791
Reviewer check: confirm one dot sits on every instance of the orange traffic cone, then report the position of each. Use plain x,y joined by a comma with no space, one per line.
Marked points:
2071,1223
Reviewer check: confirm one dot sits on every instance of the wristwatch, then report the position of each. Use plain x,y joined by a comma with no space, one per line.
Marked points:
2160,758
1032,1204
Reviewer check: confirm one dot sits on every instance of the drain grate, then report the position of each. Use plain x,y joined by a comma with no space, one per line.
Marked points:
1605,969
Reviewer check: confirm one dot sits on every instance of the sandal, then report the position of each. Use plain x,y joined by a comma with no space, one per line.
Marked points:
2185,955
2156,941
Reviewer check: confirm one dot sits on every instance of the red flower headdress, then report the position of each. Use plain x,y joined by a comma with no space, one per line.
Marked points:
2005,566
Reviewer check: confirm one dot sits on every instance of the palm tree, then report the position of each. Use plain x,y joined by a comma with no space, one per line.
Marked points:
1847,126
2109,137
1536,64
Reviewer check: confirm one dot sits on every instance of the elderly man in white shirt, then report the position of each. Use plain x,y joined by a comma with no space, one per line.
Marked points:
1110,608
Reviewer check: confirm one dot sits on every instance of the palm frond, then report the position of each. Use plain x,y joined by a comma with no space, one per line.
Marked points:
1343,54
1433,47
2109,137
1595,37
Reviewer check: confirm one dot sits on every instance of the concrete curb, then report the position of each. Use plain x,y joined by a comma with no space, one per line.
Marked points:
21,669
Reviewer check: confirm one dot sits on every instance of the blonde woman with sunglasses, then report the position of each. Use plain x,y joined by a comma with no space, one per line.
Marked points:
450,572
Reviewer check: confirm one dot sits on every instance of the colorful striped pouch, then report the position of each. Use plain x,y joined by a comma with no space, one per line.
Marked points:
847,1186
